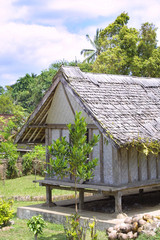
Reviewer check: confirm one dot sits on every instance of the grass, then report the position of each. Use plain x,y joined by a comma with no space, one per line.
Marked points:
24,186
52,231
20,230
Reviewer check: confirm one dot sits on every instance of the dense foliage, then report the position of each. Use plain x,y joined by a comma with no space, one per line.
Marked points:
29,90
8,150
128,51
68,159
6,213
74,230
34,160
36,225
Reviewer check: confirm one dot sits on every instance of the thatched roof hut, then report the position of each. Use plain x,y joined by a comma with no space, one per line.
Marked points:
123,109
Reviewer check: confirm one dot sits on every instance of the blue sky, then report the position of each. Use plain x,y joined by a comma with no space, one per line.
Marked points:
36,33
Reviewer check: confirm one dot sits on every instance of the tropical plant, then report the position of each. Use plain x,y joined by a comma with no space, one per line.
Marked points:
6,213
34,160
30,89
71,158
8,151
92,227
91,54
36,225
72,228
128,51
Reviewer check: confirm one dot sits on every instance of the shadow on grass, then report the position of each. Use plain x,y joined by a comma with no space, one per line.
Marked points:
60,236
14,215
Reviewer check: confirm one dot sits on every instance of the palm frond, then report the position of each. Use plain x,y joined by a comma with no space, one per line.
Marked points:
86,50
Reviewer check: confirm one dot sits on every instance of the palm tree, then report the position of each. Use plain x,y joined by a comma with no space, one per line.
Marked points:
92,53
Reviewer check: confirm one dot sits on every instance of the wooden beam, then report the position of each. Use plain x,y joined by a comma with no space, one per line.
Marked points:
101,159
42,138
47,151
26,135
37,134
129,174
81,199
58,126
50,136
156,166
90,135
118,202
32,134
60,134
148,169
41,113
48,196
45,115
72,109
42,102
70,184
38,126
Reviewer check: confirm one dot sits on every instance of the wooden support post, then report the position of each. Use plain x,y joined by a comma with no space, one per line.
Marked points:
141,191
118,202
49,196
81,199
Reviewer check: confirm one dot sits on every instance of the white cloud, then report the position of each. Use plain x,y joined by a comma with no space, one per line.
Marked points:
39,46
105,8
10,12
89,8
8,79
28,43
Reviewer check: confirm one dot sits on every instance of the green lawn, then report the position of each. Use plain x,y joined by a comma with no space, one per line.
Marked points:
52,231
20,230
24,186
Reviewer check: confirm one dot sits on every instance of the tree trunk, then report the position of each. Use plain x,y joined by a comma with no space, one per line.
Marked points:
35,236
75,186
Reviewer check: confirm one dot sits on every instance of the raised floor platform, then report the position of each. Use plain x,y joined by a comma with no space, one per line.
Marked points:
116,191
57,214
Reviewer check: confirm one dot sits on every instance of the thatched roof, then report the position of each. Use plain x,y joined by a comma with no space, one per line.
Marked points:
122,107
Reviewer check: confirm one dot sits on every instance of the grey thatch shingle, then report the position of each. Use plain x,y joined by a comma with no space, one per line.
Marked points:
123,107
127,107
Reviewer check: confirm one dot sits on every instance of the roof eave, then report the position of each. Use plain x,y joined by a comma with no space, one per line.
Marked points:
55,81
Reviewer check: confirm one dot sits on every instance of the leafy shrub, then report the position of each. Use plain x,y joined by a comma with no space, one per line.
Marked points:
72,228
34,160
27,163
36,225
92,227
8,151
5,211
76,231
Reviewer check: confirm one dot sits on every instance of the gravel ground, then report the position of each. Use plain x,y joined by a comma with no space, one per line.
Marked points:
131,202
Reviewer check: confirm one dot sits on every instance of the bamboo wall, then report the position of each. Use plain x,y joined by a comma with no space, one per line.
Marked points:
115,167
104,170
135,166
